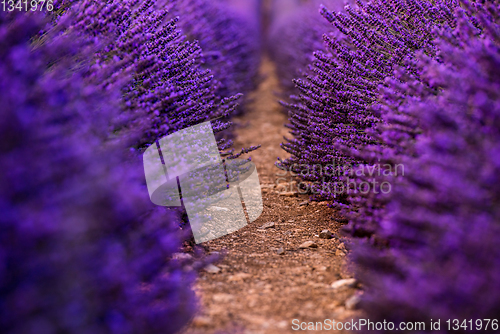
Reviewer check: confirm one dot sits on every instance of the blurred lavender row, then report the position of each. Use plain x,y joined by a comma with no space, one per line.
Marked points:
295,33
442,220
84,90
409,83
228,32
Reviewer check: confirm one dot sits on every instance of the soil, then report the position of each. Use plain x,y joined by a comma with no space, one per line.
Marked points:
265,280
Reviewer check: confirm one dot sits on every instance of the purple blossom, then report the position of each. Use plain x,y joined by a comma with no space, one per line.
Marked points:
441,222
83,249
332,116
296,32
229,34
421,91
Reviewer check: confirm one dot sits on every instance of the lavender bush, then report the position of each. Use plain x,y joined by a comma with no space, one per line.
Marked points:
83,249
427,101
442,221
83,91
296,32
229,36
168,89
332,118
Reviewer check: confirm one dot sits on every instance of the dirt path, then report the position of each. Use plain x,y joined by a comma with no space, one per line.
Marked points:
266,280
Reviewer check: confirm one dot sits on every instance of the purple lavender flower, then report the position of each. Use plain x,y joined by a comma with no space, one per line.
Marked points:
404,87
295,33
440,223
332,116
83,248
229,35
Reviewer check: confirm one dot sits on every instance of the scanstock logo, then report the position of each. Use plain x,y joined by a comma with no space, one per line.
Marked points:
186,169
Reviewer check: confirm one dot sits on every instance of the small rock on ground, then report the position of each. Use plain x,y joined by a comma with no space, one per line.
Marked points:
238,277
288,194
212,269
222,297
325,234
218,208
338,252
304,203
267,225
342,283
201,321
280,251
309,244
182,256
353,302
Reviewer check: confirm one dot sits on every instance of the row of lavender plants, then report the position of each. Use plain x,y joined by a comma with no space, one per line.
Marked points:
295,33
228,33
410,84
84,89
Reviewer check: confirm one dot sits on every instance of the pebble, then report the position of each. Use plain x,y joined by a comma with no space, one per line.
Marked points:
288,194
222,297
281,251
309,244
181,256
267,225
341,246
282,324
201,321
323,203
212,269
353,302
291,221
238,277
343,283
338,252
218,208
304,203
325,234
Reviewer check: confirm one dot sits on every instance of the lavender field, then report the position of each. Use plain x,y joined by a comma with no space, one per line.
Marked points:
374,127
